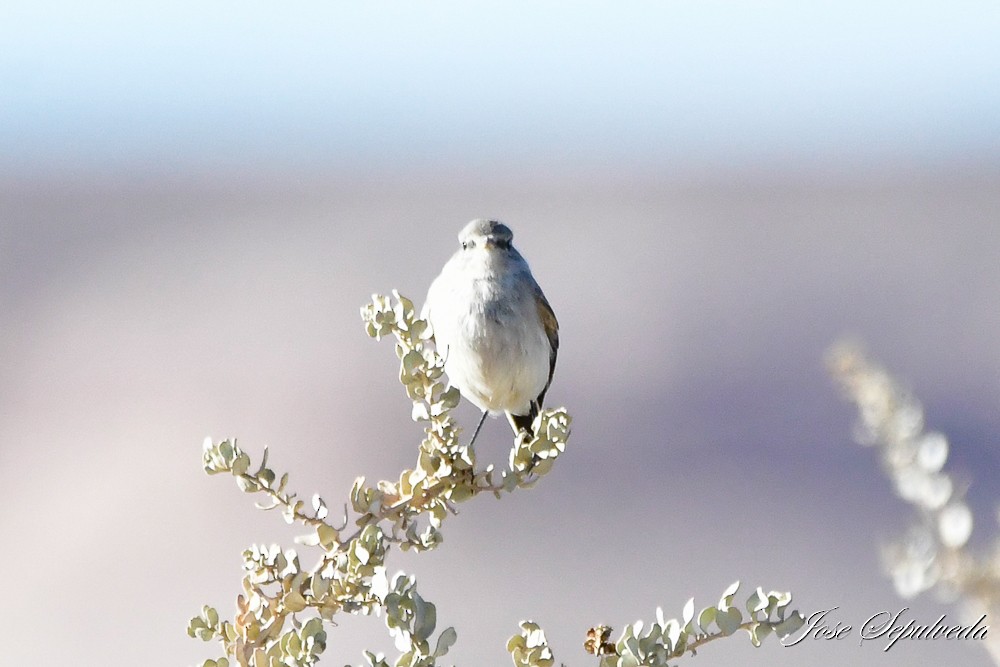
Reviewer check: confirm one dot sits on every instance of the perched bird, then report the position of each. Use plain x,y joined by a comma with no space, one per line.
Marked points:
493,326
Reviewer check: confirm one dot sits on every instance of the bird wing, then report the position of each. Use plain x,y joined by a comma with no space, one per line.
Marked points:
551,326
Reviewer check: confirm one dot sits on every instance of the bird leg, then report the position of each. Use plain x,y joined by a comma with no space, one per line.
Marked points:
476,434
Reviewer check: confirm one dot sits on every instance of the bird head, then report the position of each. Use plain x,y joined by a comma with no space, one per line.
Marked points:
486,234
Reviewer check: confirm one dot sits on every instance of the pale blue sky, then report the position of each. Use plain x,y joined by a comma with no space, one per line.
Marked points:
184,82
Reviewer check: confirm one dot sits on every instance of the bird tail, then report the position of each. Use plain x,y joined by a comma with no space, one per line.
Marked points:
524,422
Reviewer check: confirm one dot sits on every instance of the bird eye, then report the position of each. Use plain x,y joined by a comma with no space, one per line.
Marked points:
465,245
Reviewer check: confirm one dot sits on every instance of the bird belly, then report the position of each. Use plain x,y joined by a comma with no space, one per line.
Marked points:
498,357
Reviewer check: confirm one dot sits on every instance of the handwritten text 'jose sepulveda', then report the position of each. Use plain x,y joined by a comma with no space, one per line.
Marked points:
887,627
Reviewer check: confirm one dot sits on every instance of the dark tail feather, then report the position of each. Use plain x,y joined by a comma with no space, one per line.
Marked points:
523,422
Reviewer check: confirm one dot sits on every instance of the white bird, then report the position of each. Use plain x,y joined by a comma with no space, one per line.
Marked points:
493,326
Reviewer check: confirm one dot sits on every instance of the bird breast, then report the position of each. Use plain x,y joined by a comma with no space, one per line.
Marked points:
488,328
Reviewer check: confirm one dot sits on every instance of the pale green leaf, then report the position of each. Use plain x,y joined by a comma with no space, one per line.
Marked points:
706,618
727,596
789,625
728,620
445,641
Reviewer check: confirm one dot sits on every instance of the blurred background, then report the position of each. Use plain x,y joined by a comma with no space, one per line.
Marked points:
195,200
